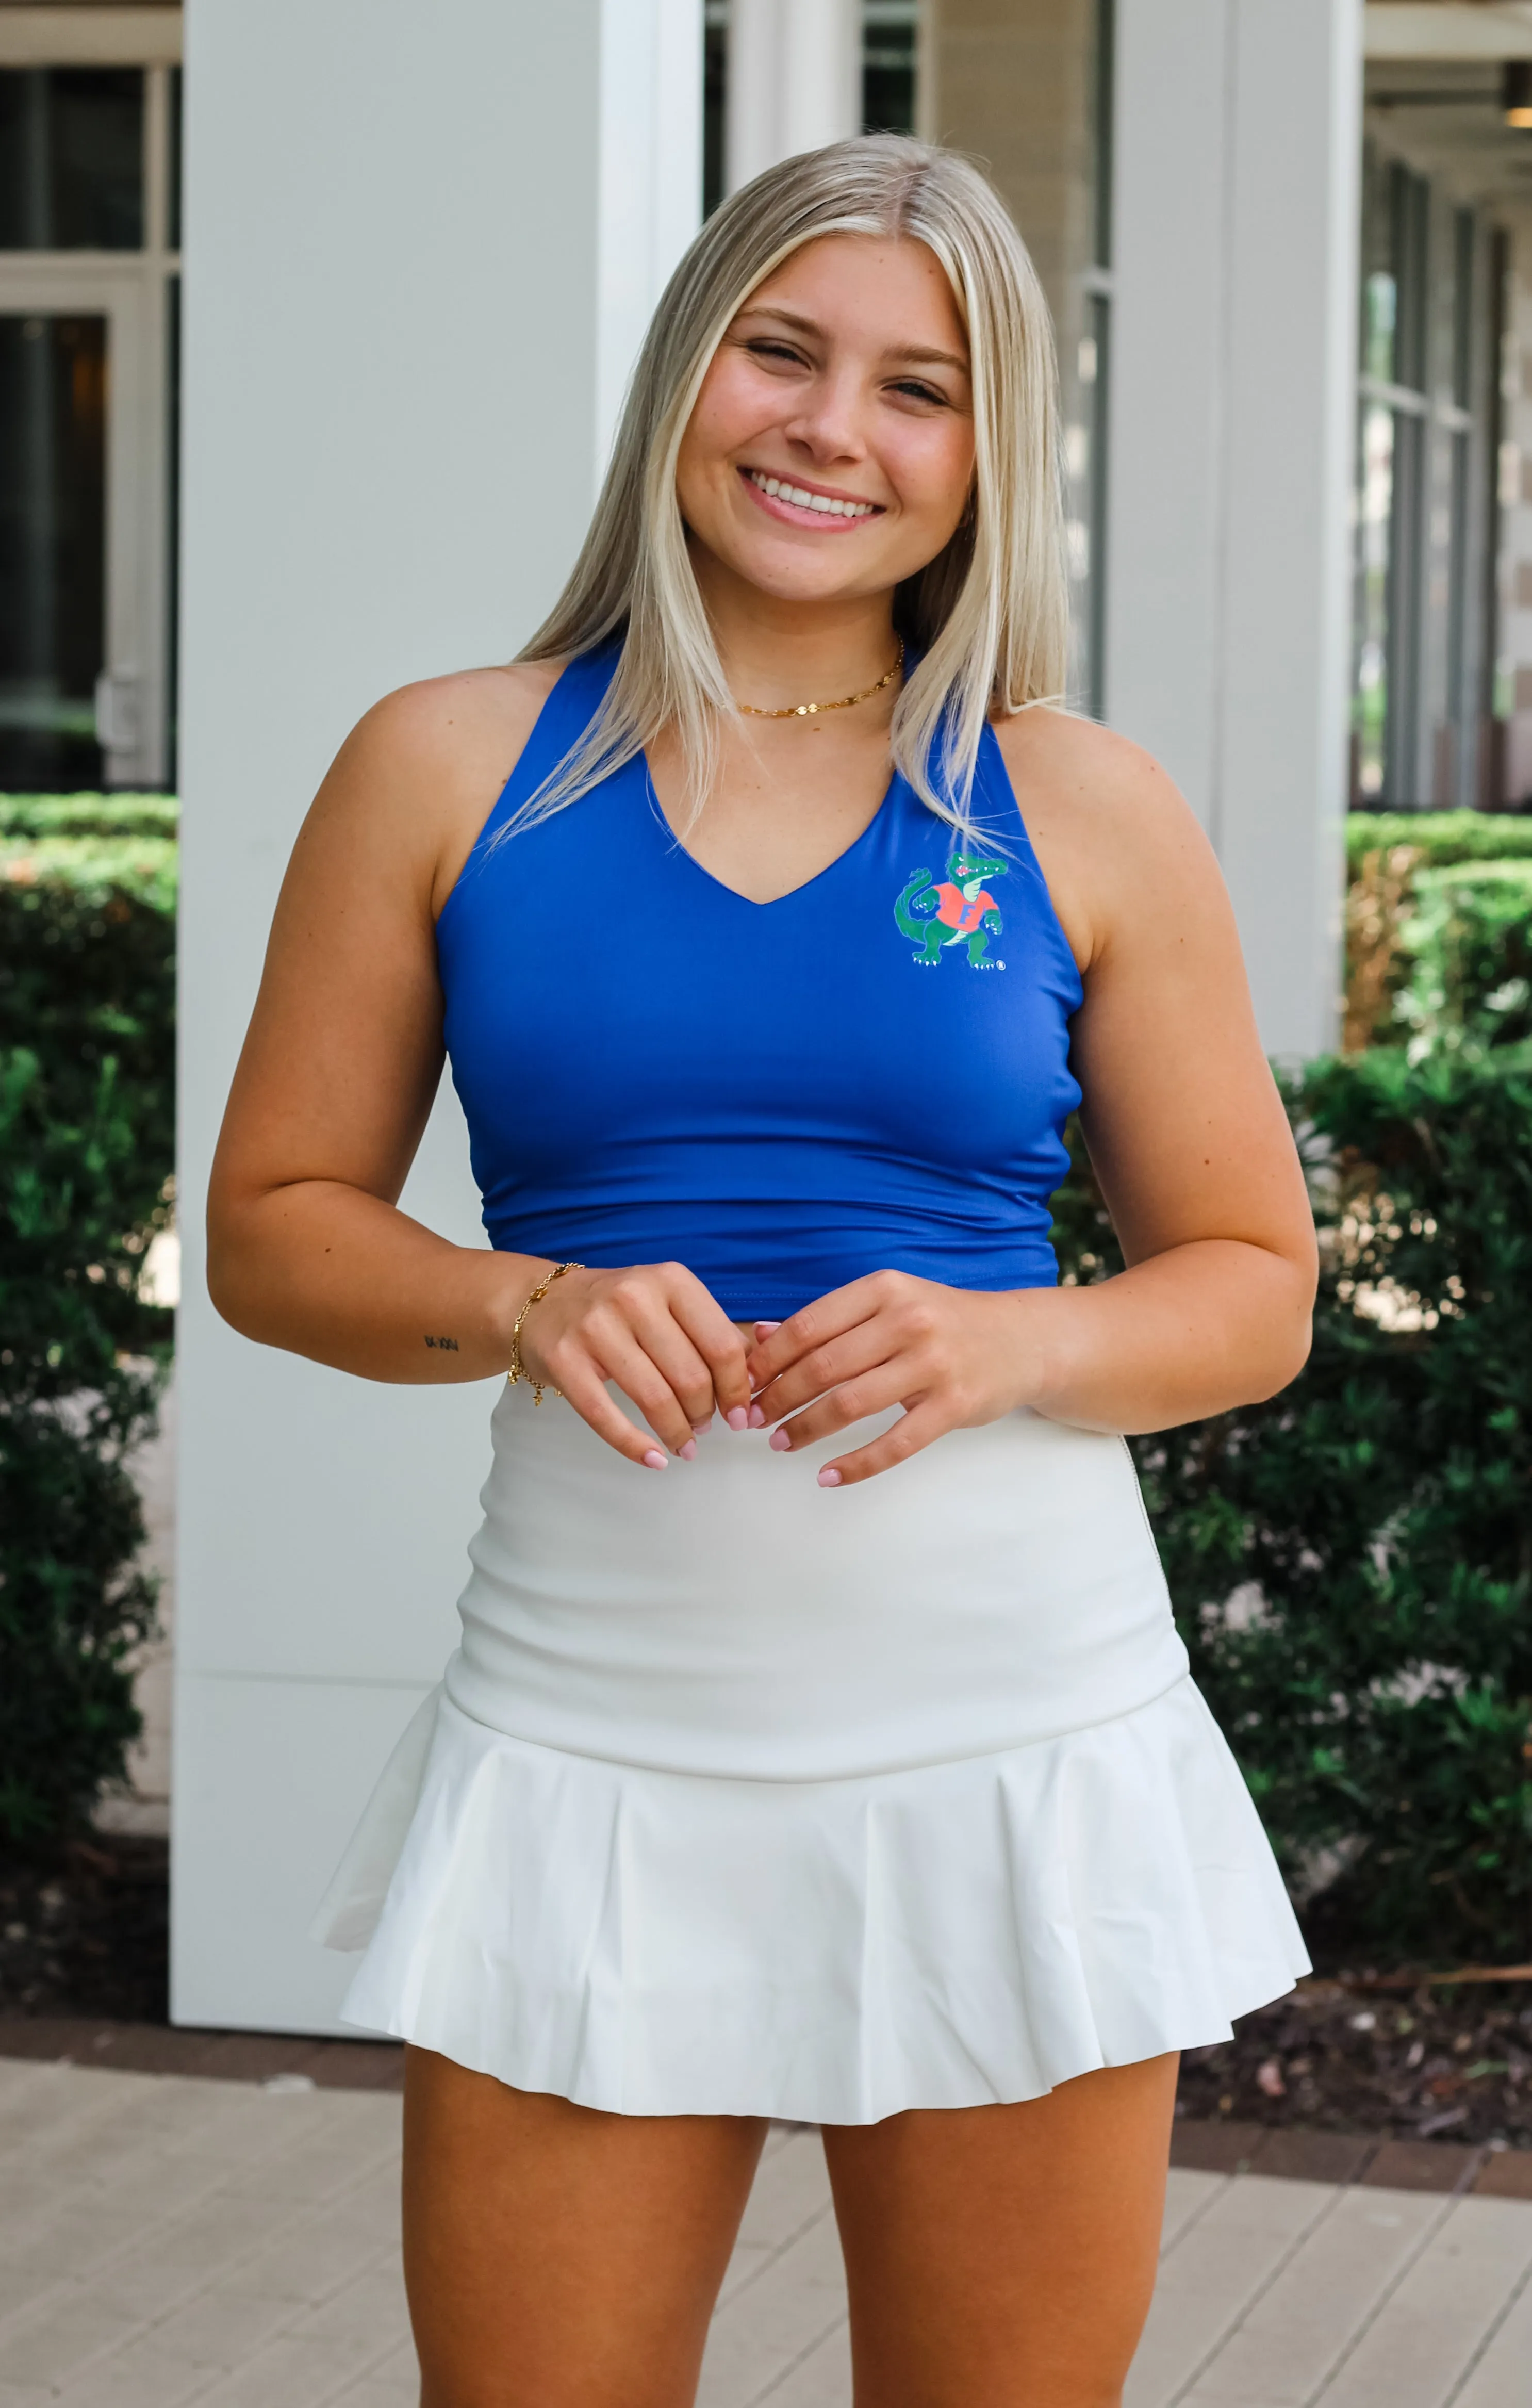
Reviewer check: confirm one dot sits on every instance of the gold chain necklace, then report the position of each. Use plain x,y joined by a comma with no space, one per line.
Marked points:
811,709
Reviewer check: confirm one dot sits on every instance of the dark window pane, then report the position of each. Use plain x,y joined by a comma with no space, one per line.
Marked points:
52,547
888,72
1104,100
1412,206
173,214
1465,259
71,158
715,69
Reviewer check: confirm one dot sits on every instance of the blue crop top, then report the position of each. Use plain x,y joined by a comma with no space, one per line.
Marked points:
869,1073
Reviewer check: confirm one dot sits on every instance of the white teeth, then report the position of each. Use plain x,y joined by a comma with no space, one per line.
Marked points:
797,495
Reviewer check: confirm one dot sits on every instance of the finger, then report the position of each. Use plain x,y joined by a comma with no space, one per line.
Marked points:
637,1306
585,1388
719,1344
854,1400
617,1355
815,1325
670,1349
861,1350
915,1431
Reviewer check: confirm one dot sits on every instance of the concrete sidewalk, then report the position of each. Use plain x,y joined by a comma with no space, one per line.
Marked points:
166,2241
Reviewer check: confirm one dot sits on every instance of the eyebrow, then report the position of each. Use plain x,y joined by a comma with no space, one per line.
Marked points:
917,351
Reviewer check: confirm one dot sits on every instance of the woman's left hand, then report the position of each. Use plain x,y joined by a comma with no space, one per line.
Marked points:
952,1359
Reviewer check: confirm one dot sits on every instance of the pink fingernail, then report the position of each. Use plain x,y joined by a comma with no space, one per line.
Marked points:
757,1418
698,1428
689,1452
765,1328
780,1441
655,1459
737,1417
829,1477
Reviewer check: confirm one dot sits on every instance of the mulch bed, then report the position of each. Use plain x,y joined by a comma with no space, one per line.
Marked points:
1429,2088
88,1933
1427,2064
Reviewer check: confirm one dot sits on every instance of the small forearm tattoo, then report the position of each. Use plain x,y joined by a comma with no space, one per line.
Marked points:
450,1343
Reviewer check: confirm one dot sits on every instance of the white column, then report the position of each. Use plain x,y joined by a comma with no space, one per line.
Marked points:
794,81
420,247
1230,459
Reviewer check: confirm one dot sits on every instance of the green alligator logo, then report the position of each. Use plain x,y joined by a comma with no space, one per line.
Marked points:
960,910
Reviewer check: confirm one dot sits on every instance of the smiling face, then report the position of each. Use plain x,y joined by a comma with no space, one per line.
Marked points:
831,450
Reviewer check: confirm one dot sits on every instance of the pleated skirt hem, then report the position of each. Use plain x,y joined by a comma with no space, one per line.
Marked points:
830,1952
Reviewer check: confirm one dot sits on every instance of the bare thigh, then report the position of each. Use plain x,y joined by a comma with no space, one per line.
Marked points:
557,2257
1004,2255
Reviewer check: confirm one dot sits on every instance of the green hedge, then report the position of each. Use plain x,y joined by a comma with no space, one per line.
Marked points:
1439,931
1465,958
87,1148
1437,838
88,815
1352,1563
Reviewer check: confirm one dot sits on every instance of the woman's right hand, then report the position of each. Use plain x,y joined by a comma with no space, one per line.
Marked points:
656,1333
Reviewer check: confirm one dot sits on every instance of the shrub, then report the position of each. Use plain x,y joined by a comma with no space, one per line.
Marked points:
1350,1564
1465,950
104,816
1437,935
1437,838
87,1046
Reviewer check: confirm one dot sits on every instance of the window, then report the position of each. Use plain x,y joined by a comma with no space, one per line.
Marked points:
1420,630
890,58
889,36
71,158
89,222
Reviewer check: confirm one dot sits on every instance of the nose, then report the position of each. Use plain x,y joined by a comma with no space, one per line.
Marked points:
827,421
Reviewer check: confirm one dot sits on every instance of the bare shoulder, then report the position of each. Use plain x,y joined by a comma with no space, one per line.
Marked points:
1117,840
420,771
438,720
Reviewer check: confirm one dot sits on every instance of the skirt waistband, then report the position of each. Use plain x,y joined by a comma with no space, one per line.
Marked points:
731,1618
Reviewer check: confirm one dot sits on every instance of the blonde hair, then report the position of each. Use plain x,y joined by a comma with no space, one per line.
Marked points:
989,613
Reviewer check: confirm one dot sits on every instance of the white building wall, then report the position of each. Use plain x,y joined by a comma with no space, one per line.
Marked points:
421,244
1230,468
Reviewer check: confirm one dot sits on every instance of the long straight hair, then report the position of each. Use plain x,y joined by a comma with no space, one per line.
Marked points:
989,615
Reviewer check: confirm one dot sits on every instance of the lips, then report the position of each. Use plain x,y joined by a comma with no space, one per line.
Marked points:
808,505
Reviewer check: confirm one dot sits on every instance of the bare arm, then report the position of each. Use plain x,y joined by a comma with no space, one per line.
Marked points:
1187,1135
1186,1131
306,1247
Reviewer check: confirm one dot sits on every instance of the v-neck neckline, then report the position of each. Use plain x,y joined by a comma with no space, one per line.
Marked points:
674,845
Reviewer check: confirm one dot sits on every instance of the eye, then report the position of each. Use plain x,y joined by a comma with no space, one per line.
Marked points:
917,391
762,347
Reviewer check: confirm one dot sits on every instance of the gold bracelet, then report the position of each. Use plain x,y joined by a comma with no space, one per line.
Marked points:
517,1369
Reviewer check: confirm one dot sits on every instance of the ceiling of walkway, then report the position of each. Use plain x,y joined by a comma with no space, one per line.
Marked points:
1434,79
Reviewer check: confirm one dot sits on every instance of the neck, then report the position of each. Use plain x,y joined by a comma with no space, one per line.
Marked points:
778,651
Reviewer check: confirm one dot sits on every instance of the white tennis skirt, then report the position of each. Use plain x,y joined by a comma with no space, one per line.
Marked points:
746,1797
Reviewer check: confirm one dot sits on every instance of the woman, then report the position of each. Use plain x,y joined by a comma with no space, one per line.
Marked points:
890,1809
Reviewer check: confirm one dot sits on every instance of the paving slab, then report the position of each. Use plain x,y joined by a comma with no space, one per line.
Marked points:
177,2241
1424,2343
1214,2272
